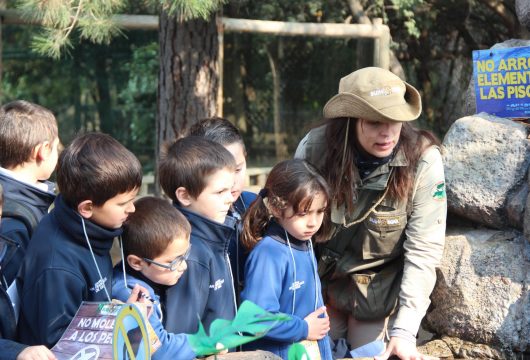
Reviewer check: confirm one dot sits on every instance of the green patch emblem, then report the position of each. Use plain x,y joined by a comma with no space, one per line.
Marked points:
438,191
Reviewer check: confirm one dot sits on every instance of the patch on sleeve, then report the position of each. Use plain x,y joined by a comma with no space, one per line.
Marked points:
438,191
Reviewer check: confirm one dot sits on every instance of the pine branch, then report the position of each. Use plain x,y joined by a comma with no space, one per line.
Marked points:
93,19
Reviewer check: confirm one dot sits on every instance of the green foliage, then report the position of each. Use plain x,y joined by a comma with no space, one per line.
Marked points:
191,9
100,30
93,19
250,323
96,88
138,99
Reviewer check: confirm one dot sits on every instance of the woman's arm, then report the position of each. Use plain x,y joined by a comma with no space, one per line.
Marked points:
424,243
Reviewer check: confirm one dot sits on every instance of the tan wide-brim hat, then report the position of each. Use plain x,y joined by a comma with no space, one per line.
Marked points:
374,94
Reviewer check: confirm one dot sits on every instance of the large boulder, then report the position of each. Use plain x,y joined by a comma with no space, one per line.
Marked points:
515,205
451,348
522,9
482,293
485,160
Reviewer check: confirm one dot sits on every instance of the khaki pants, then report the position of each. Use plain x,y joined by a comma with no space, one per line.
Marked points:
358,333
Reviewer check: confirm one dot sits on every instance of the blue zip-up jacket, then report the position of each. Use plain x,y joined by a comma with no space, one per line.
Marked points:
237,253
172,346
270,283
37,201
205,291
58,273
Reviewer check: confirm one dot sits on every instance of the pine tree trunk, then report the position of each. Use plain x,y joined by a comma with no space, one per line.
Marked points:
188,75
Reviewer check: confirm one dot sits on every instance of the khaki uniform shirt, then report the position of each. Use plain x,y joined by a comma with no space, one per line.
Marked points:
390,232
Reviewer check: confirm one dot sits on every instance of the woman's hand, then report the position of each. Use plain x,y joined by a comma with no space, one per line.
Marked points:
317,327
403,349
36,353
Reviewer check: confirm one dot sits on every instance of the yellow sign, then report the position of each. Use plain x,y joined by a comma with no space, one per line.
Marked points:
130,338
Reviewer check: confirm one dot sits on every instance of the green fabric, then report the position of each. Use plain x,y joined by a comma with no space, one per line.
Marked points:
250,323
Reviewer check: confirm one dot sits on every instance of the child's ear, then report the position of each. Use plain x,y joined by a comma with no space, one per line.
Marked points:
42,151
183,196
85,208
135,262
36,154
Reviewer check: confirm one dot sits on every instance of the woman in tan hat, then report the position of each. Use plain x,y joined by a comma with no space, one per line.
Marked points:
388,212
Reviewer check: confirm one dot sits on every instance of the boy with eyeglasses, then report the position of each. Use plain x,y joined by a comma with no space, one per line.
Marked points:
156,245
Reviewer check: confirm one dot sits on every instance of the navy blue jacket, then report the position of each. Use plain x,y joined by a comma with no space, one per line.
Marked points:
205,291
236,252
10,349
58,273
37,201
271,284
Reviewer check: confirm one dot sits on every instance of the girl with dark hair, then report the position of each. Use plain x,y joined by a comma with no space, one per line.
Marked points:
281,270
388,212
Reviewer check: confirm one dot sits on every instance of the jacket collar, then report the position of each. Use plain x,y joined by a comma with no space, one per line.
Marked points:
278,233
378,179
70,221
27,193
208,230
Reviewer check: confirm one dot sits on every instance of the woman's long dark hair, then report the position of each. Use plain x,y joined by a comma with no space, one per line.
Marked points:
290,183
343,176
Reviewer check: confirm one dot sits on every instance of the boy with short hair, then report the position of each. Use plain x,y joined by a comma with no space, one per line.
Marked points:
198,174
68,259
222,131
29,144
156,245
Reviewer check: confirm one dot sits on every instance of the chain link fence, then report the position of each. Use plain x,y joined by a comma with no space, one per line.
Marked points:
275,87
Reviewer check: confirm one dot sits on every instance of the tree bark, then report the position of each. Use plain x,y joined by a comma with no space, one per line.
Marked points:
188,80
188,75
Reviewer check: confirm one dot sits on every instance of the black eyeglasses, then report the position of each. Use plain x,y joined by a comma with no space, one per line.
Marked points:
174,264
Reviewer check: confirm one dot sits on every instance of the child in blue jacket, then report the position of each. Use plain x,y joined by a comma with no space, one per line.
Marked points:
225,133
68,259
156,245
12,350
281,272
197,175
29,144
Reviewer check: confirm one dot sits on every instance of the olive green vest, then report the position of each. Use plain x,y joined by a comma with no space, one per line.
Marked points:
362,264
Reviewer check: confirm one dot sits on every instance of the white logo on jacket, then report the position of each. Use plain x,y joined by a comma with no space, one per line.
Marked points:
296,285
99,285
217,285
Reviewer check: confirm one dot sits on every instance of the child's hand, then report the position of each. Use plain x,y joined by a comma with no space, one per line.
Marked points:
318,326
139,294
36,353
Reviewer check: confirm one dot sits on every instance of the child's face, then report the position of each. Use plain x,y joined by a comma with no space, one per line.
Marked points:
304,225
238,152
214,201
159,270
113,213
